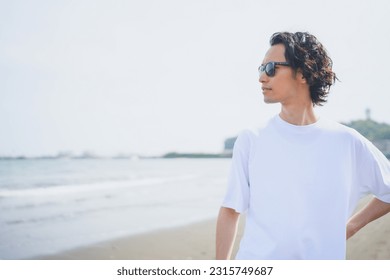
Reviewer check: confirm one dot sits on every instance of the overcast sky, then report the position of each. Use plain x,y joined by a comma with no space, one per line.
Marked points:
153,76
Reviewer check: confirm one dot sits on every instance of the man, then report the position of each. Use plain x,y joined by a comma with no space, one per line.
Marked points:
299,178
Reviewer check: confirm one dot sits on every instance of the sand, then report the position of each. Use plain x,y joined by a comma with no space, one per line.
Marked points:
196,241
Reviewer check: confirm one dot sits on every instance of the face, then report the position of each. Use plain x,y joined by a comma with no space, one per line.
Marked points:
284,86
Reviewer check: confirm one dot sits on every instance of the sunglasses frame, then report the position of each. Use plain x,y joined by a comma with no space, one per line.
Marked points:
271,71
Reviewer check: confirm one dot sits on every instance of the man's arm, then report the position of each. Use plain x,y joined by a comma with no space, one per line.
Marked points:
226,232
372,211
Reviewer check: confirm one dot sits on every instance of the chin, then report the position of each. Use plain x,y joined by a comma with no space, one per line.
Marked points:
269,101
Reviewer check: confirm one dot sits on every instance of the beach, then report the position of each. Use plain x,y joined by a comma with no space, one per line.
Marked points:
125,209
53,206
196,241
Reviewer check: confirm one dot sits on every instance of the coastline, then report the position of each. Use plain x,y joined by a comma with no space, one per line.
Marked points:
197,242
190,242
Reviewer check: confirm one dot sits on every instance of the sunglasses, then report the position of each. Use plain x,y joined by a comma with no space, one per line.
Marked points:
269,68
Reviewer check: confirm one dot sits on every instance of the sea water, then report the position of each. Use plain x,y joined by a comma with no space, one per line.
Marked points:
52,205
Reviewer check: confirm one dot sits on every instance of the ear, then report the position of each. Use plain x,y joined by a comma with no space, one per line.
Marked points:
300,77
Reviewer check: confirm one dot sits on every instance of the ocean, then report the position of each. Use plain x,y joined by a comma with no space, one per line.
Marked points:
52,205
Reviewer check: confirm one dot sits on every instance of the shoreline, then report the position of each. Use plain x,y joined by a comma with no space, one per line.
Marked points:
194,241
197,242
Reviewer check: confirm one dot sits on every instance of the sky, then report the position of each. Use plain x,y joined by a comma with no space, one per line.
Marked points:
149,77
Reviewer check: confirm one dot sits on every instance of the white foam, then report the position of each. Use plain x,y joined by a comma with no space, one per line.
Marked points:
83,188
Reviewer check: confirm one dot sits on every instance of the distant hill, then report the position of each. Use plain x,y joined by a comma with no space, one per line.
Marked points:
229,143
370,129
195,155
377,133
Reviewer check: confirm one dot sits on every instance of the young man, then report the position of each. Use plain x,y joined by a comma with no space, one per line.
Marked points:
299,178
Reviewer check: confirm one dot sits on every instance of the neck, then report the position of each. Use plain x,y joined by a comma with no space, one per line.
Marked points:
301,115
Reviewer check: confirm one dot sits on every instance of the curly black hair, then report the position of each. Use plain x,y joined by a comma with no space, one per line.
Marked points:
304,52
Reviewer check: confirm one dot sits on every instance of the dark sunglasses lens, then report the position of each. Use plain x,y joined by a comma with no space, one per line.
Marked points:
261,69
270,69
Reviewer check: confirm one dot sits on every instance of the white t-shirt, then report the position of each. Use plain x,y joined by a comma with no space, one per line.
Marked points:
299,185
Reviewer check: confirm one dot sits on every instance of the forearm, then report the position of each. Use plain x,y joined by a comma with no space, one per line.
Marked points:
226,233
374,209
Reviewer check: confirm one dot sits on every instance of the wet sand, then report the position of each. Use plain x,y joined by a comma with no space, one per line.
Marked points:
196,242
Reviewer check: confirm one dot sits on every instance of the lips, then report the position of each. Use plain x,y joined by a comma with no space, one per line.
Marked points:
266,88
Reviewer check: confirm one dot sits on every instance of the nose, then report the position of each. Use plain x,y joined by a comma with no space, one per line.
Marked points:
263,77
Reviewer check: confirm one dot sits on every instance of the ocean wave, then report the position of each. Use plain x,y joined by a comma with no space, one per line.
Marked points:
80,188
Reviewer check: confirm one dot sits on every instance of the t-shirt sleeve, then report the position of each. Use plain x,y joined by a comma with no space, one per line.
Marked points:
237,195
373,171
